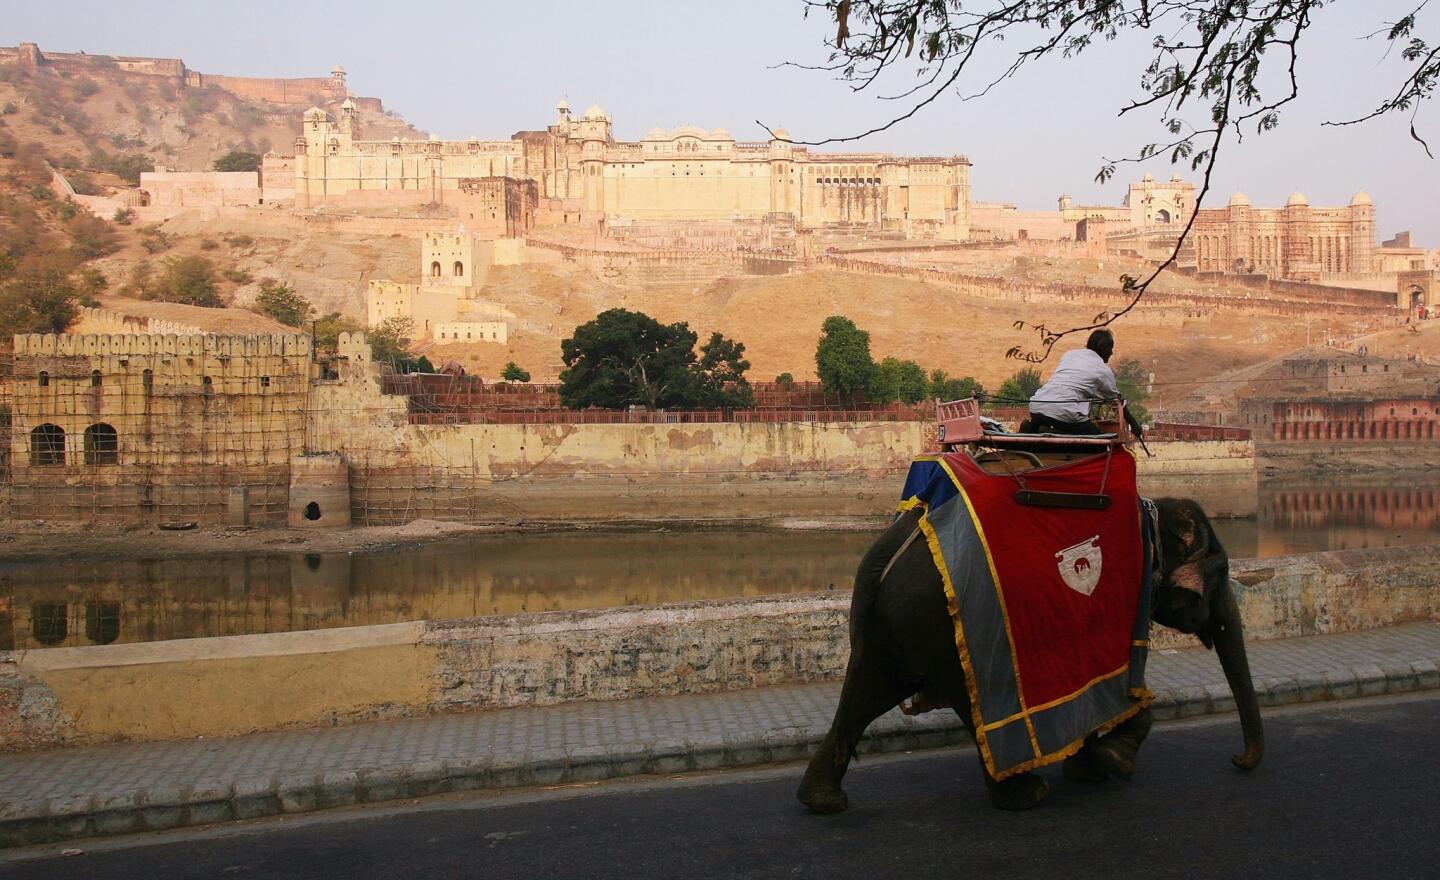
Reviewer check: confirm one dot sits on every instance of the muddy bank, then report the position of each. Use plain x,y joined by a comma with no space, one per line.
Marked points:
37,540
1390,458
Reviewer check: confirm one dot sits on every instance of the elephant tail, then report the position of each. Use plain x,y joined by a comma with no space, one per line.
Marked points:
868,579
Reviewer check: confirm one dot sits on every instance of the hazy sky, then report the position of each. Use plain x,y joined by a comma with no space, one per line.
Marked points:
488,69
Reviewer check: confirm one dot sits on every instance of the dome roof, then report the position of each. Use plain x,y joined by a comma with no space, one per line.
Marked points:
595,112
780,134
563,106
720,134
1296,198
655,134
347,104
315,113
1361,198
1239,200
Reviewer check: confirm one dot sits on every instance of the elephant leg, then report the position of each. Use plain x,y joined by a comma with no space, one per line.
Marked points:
1115,752
866,695
1019,792
1082,766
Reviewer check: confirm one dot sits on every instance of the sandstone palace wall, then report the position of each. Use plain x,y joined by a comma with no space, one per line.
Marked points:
686,174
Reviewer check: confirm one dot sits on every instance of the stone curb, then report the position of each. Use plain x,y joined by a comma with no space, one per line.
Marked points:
158,809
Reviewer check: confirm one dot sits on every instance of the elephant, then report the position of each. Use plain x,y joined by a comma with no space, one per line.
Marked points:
902,643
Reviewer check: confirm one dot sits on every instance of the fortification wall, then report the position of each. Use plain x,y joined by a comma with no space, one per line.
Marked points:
112,322
125,428
297,91
243,684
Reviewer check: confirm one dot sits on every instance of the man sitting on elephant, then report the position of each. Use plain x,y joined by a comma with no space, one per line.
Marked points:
1083,377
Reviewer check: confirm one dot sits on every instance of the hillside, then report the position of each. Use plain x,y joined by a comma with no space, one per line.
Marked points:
102,120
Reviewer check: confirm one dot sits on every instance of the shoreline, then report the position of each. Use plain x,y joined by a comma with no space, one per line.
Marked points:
41,541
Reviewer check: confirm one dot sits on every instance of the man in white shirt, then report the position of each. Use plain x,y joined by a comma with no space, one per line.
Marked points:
1083,377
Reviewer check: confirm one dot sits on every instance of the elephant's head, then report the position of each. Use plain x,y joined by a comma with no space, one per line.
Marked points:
1194,596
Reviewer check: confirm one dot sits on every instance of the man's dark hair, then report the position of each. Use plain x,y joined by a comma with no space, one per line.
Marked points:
1100,340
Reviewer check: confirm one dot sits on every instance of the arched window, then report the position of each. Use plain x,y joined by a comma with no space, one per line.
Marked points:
147,379
102,622
47,445
435,269
96,379
43,379
102,444
459,271
49,622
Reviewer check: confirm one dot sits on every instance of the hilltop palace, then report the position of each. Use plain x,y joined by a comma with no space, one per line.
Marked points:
575,169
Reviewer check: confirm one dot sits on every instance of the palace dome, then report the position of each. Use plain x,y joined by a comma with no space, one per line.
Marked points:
1296,199
655,134
1239,200
780,134
1361,198
595,112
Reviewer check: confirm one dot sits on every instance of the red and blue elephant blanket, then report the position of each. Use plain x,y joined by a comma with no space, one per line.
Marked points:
1051,606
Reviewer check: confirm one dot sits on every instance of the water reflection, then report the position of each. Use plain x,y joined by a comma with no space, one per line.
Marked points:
84,603
81,603
1293,519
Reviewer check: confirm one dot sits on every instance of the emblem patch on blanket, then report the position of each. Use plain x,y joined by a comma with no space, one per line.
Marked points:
1051,606
1080,565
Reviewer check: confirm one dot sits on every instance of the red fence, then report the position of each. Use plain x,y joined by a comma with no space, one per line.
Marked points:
678,417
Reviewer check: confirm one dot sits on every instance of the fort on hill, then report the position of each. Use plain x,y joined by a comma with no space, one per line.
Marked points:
574,170
293,91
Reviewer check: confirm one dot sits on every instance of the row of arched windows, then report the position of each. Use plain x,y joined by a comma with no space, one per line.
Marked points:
457,271
47,445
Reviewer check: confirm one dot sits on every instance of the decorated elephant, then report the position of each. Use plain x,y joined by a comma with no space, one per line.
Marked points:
903,651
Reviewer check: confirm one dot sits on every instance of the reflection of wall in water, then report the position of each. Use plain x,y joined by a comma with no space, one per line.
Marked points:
52,604
1350,517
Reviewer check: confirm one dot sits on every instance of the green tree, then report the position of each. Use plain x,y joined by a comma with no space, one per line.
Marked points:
326,330
1019,388
238,160
623,358
91,282
785,380
720,375
390,341
40,298
513,372
943,388
1131,378
189,281
897,379
842,358
279,300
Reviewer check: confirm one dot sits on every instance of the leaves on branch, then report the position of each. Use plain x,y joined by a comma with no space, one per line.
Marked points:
1231,63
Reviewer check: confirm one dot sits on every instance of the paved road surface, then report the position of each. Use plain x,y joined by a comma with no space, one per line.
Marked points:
1348,790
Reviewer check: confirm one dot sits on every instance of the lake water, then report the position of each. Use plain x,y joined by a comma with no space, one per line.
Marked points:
55,603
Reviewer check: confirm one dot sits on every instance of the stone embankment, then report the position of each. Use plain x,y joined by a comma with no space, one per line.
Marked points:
242,684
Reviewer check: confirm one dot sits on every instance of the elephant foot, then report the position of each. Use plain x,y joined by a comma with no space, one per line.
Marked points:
1113,757
1082,767
823,799
1019,792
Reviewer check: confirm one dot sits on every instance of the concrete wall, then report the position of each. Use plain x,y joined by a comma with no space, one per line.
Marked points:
240,684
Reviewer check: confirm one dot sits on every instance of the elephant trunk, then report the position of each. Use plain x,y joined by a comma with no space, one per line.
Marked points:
1229,635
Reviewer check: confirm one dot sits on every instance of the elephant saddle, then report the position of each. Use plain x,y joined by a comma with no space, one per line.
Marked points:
1051,606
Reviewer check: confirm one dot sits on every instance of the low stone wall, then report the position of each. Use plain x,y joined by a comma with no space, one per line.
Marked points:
241,684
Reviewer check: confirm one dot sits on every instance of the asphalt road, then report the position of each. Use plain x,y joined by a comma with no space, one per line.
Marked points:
1347,790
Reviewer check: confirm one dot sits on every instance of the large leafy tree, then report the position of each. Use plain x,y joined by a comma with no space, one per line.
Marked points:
720,374
238,160
1216,71
41,298
842,358
279,300
624,358
897,379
